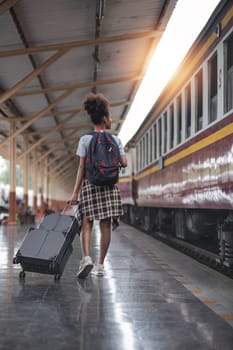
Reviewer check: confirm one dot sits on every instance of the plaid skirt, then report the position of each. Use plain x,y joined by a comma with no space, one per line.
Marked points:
100,202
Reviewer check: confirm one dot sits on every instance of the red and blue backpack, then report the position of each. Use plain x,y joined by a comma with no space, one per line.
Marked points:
103,160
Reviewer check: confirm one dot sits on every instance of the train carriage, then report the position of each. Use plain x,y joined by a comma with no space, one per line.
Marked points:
181,176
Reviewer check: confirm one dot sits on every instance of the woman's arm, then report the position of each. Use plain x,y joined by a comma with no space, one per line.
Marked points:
79,180
123,160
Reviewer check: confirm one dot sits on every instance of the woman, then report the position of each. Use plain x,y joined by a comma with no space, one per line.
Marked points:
101,203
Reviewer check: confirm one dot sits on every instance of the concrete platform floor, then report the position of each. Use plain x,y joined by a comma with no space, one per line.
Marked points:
151,297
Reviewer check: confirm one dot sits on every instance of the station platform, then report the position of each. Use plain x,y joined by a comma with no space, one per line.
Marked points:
151,297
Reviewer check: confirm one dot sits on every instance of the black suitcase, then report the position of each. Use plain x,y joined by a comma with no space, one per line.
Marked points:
47,248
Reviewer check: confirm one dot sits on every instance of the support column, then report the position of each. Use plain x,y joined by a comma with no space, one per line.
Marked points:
46,181
35,183
12,195
42,172
25,176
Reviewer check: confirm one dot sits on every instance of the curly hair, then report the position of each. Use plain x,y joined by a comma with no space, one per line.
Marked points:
97,106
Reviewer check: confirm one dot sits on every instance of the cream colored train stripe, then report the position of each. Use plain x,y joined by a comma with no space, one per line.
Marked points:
218,135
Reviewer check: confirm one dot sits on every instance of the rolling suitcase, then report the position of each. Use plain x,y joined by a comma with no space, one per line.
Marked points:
47,248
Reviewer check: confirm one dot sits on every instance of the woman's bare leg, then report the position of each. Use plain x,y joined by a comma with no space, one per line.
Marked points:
105,228
85,237
86,263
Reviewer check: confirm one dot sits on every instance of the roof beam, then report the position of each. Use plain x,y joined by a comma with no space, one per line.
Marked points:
61,162
38,116
76,127
76,137
58,167
44,138
31,57
77,85
6,5
29,117
9,93
60,170
80,43
117,121
68,111
54,148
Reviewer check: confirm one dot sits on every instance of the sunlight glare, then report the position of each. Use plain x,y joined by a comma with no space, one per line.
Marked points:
186,22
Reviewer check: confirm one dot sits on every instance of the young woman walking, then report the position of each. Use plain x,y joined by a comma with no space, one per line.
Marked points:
101,203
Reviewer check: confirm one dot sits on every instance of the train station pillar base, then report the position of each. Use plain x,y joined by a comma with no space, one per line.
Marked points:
12,209
12,223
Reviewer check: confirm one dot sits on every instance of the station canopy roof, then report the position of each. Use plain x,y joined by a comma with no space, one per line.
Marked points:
53,53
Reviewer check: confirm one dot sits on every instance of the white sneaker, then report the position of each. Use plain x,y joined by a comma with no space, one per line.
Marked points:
98,270
85,267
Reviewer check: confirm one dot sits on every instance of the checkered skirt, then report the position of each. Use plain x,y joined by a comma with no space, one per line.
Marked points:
100,202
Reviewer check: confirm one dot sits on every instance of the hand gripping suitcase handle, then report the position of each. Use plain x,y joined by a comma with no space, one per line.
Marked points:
72,205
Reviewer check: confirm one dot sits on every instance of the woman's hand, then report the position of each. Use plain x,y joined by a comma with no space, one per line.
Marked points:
74,198
123,161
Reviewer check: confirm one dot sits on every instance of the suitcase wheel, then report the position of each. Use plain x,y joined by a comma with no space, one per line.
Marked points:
15,260
52,265
22,275
57,277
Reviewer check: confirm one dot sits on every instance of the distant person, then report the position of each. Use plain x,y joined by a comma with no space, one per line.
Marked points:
4,202
4,220
101,203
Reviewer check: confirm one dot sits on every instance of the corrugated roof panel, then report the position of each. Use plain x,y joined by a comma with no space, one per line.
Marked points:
56,20
131,15
30,105
9,36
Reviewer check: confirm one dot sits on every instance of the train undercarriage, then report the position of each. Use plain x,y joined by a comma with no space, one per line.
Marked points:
206,232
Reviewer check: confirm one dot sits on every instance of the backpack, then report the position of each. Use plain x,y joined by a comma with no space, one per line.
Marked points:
103,160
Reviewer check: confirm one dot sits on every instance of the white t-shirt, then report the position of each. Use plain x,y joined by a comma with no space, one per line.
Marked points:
85,141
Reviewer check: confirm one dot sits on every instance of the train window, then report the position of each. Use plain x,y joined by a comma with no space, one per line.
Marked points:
188,111
179,119
213,90
155,141
171,126
137,157
147,149
229,73
159,138
141,155
143,152
198,100
151,146
165,132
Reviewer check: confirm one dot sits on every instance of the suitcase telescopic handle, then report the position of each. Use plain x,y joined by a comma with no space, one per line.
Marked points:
69,203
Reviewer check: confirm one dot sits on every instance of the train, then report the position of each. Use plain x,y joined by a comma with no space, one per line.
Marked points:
179,178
